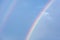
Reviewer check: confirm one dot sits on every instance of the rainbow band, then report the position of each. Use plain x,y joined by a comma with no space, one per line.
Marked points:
37,19
8,13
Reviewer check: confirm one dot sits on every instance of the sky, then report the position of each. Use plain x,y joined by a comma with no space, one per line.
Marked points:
17,17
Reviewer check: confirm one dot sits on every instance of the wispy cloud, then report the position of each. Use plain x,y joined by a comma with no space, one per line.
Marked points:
48,16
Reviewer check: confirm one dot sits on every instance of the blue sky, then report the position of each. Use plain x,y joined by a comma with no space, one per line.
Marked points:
23,16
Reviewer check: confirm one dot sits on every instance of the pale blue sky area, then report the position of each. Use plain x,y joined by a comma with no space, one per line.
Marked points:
22,17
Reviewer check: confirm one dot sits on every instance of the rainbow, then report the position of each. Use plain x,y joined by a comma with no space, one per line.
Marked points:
8,13
37,19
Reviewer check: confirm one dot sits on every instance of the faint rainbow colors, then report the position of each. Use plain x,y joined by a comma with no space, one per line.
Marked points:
7,14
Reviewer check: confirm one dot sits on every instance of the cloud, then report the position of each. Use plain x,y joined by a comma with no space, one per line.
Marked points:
48,16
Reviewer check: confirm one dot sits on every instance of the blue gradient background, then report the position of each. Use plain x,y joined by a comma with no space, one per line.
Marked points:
22,17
